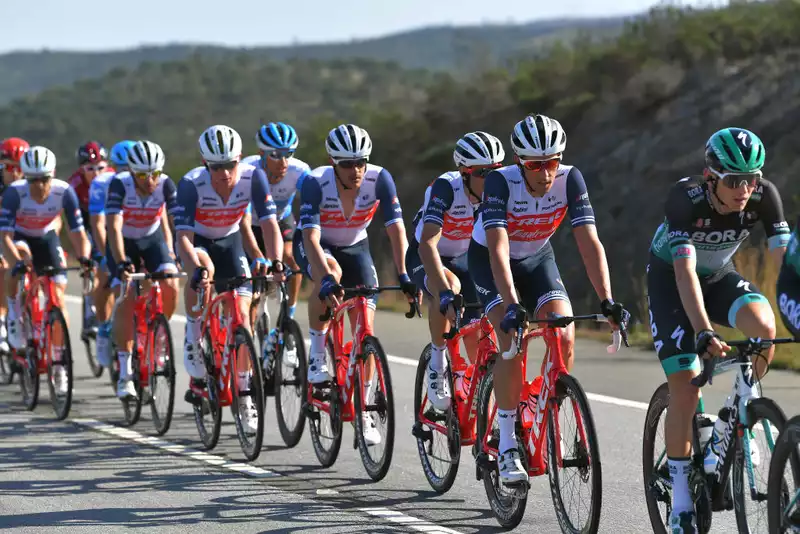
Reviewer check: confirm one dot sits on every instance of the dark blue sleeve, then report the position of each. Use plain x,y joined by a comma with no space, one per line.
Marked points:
495,201
186,205
170,195
386,194
310,199
260,197
8,209
578,204
72,210
440,200
115,196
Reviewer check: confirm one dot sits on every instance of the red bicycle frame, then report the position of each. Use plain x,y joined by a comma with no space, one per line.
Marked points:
33,286
146,307
344,365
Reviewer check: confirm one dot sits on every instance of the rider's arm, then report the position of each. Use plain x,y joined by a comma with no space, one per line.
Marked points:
114,201
170,201
591,249
775,225
264,208
8,221
184,223
495,224
248,237
386,194
97,214
77,234
310,199
440,198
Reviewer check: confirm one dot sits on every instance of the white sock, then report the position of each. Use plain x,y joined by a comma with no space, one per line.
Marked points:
679,469
437,362
508,435
193,328
58,354
368,390
317,341
243,381
12,308
125,368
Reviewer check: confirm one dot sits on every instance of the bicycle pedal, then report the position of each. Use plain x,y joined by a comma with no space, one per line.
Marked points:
323,385
420,433
192,398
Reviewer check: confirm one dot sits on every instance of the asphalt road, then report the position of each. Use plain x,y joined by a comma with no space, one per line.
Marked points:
87,474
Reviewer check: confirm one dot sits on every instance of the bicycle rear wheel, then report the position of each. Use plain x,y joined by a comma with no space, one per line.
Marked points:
326,427
580,455
784,480
208,412
508,505
57,327
290,383
250,438
752,514
440,467
657,480
162,374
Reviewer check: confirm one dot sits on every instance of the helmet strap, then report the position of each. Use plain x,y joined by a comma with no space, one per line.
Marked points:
336,173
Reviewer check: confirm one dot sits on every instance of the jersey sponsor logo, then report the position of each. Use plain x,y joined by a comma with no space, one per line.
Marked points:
673,234
457,228
695,192
682,252
494,200
142,217
702,223
724,236
336,219
781,225
534,227
219,218
790,310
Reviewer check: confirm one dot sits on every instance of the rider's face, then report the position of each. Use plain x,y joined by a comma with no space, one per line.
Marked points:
92,170
11,171
276,168
351,172
735,198
147,182
39,187
540,172
225,174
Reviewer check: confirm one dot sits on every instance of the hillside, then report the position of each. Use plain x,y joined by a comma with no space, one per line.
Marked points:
442,48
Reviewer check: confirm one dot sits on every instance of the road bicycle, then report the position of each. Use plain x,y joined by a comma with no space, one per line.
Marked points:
343,399
564,457
734,446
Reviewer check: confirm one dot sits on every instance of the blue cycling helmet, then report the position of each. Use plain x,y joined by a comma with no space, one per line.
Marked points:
277,135
119,152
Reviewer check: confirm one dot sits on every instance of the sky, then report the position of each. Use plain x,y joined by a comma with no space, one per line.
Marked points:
64,24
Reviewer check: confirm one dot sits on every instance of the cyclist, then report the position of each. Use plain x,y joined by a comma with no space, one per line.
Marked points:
512,262
103,295
277,143
337,204
691,282
135,204
437,254
207,219
11,151
29,212
788,287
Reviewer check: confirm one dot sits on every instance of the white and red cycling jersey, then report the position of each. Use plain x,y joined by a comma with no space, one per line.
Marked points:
321,208
531,221
141,215
21,213
447,204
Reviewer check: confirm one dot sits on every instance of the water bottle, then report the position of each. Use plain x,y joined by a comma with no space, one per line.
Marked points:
269,346
528,410
705,427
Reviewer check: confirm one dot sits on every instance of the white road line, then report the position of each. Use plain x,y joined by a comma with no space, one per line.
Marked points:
596,397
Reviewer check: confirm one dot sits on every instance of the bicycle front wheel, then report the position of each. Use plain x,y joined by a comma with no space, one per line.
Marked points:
89,338
132,408
657,480
784,480
29,374
208,411
571,430
59,363
161,362
290,384
326,425
248,394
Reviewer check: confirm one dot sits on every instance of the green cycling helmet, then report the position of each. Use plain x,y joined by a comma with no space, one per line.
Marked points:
735,150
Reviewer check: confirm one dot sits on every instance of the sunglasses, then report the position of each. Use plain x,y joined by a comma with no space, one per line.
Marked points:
280,154
735,180
146,175
482,172
352,163
536,166
9,166
35,179
95,168
227,166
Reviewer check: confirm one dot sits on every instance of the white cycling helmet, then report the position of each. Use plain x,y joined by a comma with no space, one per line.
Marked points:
220,144
538,136
478,148
348,141
145,156
38,161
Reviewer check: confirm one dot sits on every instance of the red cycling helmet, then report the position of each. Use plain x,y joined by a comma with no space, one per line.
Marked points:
91,152
13,148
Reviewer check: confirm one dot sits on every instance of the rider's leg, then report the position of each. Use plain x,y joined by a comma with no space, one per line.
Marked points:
192,360
122,327
14,310
157,259
318,329
3,306
438,381
561,307
294,282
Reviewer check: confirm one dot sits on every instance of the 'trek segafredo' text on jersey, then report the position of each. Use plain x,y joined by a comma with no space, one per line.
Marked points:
321,208
692,228
23,214
531,221
447,205
141,216
200,210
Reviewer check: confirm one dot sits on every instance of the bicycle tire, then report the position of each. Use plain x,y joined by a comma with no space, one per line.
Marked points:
757,410
295,386
440,484
132,408
251,447
161,421
261,332
7,368
113,370
90,345
29,375
384,402
508,510
779,495
209,436
327,456
654,491
574,390
61,408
